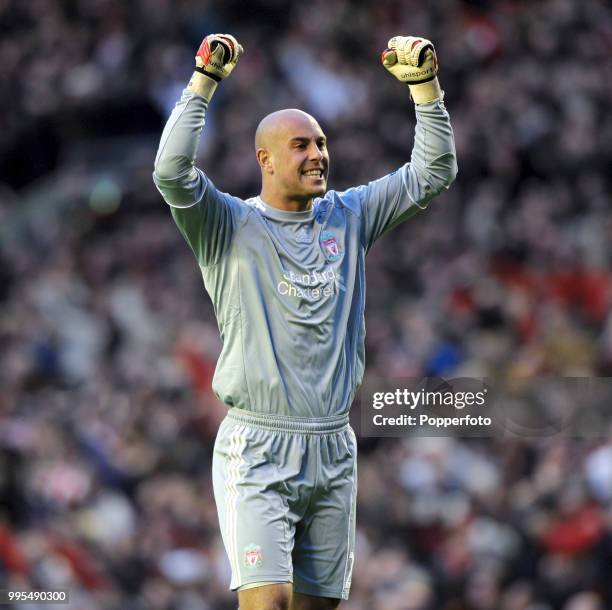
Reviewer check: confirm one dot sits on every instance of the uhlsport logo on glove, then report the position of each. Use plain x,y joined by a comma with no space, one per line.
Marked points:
410,59
413,61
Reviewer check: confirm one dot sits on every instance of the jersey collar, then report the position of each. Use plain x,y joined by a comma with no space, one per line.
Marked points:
276,214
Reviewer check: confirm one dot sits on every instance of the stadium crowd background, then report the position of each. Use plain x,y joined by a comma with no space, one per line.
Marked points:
108,341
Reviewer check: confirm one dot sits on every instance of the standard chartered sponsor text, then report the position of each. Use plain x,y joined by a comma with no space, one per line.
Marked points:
315,285
295,291
311,279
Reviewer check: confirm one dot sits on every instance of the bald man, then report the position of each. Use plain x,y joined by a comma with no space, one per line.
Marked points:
286,273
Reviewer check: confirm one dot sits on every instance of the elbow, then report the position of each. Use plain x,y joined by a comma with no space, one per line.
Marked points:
443,171
453,170
171,168
163,169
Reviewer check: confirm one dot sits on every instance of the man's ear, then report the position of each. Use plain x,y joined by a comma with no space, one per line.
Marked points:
264,158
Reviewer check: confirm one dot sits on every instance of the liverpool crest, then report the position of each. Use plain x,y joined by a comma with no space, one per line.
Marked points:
252,556
331,248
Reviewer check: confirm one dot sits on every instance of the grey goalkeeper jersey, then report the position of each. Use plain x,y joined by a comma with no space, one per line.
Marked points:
288,288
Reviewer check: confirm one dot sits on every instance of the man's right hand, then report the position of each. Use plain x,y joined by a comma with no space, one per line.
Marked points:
215,60
217,56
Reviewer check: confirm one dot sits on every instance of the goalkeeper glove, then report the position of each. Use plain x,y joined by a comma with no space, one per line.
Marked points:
413,61
215,60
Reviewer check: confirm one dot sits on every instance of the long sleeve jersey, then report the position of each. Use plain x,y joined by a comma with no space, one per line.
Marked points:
288,288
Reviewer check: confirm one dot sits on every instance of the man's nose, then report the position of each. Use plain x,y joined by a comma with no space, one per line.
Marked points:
316,152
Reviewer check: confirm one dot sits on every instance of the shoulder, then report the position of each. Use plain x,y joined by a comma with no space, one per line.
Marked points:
344,202
254,204
240,208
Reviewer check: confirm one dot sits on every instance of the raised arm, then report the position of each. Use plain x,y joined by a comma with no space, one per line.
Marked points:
387,202
175,175
202,213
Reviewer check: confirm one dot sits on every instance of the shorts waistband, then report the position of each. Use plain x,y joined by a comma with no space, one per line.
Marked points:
284,423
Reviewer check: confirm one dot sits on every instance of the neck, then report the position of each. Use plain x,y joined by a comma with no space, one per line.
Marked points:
285,203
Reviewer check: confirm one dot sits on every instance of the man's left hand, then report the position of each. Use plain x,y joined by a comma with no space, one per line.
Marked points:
413,61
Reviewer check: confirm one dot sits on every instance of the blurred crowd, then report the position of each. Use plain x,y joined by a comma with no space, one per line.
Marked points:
108,341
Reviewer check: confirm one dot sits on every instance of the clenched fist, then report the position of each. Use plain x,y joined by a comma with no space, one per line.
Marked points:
215,60
413,61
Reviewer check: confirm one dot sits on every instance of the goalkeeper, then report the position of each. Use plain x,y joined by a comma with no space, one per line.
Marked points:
286,273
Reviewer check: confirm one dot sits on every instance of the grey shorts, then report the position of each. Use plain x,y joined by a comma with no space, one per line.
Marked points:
286,490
